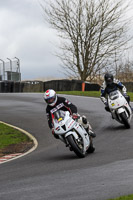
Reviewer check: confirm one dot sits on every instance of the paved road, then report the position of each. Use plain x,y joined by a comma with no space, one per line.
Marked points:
52,172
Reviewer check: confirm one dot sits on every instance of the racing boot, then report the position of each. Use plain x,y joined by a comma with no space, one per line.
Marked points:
91,133
70,148
87,127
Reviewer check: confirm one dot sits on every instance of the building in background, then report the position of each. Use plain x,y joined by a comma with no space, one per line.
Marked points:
10,70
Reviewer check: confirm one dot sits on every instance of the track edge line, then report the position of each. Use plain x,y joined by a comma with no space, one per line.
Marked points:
26,133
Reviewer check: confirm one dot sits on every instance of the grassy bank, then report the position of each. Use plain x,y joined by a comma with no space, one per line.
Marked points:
88,93
9,135
129,197
80,93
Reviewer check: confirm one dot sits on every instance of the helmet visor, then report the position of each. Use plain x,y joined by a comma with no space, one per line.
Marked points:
109,80
50,100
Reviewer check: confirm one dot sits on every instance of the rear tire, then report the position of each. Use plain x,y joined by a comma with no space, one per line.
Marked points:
79,151
91,148
125,120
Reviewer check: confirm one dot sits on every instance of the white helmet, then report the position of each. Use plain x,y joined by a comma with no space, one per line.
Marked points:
50,97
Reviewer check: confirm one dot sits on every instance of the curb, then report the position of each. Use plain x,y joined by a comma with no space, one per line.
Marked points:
11,157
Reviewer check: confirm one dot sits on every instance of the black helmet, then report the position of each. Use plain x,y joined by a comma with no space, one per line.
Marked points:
108,78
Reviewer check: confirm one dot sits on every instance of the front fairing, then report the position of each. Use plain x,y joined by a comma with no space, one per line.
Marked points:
119,105
65,125
68,126
117,102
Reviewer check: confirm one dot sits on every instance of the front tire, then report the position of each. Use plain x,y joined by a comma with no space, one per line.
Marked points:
77,148
125,120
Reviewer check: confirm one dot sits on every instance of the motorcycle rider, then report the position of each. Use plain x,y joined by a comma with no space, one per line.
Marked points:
55,102
111,84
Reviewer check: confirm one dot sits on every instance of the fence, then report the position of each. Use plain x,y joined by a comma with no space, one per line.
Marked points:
57,85
39,86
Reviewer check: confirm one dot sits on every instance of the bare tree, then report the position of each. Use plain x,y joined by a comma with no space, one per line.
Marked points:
125,71
91,31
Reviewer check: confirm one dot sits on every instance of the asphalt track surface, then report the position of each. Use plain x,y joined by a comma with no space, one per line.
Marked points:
52,172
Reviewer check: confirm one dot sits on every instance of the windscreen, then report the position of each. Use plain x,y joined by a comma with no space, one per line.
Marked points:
59,115
114,95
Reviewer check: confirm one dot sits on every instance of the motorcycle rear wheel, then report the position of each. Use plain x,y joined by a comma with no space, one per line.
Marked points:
125,120
77,148
91,148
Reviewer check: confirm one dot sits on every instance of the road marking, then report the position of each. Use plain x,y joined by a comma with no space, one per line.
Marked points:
6,158
10,157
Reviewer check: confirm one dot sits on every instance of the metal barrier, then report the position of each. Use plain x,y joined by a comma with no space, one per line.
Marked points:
6,86
57,85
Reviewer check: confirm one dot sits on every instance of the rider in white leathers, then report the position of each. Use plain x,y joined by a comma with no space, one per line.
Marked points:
111,84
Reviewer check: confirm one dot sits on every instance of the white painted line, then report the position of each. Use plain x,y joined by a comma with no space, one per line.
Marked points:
78,96
18,155
82,96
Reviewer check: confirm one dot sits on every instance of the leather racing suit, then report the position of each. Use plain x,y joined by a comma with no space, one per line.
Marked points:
65,105
106,89
61,104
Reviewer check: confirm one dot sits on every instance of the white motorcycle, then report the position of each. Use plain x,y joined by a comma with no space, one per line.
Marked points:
72,133
119,107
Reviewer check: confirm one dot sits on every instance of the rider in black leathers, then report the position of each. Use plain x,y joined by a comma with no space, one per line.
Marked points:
62,104
55,102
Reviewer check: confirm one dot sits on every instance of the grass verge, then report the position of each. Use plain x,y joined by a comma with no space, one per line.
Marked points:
128,197
88,93
9,135
13,141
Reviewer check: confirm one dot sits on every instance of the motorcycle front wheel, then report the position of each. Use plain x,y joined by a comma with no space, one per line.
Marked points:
77,147
125,120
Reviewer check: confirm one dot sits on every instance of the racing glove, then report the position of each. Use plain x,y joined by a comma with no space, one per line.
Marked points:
75,116
124,94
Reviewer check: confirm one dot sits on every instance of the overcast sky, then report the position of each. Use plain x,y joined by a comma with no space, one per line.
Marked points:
25,35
